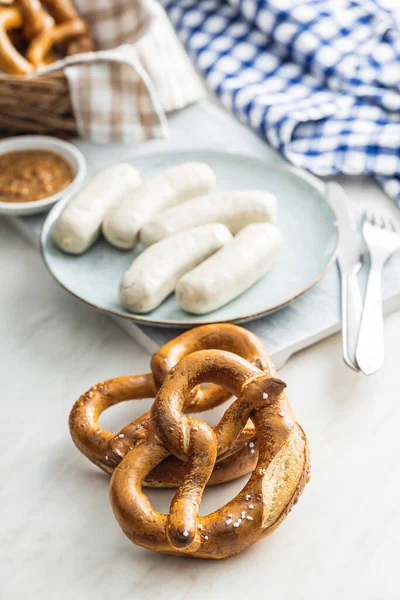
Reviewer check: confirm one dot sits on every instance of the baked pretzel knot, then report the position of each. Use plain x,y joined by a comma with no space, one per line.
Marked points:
106,449
31,31
11,61
274,486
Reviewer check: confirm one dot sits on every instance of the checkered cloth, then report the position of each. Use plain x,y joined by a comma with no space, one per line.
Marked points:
123,92
319,79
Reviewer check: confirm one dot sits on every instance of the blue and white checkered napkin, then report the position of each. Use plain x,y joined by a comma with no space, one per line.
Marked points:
319,79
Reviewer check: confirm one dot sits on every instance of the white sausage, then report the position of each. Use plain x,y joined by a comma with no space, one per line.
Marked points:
154,274
235,209
124,220
231,271
79,224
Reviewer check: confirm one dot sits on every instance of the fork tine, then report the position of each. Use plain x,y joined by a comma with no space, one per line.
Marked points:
377,220
387,223
370,217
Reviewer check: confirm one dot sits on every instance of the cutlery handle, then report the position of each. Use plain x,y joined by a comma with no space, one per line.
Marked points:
370,347
351,317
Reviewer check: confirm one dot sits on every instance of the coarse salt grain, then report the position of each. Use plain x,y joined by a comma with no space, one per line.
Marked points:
249,518
252,451
251,445
251,506
236,524
265,396
185,534
248,497
121,435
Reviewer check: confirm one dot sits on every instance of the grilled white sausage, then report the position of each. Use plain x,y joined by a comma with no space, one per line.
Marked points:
154,274
231,271
235,209
124,220
79,224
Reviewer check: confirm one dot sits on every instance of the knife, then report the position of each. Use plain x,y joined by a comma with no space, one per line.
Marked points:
349,263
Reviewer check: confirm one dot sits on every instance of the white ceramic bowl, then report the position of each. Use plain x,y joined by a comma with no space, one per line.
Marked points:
43,142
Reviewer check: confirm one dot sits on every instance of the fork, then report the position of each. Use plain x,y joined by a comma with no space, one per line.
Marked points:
382,240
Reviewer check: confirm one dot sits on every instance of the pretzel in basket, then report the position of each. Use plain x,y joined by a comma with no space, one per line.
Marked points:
106,449
64,11
42,30
35,19
277,480
11,61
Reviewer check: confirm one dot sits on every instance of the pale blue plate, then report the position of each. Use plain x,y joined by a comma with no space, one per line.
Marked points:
305,218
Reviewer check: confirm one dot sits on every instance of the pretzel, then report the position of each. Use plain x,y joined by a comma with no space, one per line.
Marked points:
274,486
64,11
35,19
11,61
42,31
217,336
42,44
107,449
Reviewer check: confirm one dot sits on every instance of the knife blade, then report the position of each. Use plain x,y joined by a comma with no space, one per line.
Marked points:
349,263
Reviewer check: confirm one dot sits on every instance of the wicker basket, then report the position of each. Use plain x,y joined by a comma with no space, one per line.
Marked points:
39,105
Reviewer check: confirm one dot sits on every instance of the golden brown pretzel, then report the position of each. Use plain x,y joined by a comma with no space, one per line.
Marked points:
274,486
11,61
35,18
59,34
107,449
217,336
62,11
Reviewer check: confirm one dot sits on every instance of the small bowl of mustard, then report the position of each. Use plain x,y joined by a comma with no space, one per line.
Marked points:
36,171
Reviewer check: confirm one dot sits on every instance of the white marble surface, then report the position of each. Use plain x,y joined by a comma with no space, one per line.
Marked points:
59,539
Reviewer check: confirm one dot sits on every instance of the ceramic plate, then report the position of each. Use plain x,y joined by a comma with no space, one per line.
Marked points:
305,218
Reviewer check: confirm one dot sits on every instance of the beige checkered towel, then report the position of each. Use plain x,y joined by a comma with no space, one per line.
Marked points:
122,92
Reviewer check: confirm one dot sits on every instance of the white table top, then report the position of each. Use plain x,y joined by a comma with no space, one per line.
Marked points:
59,537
